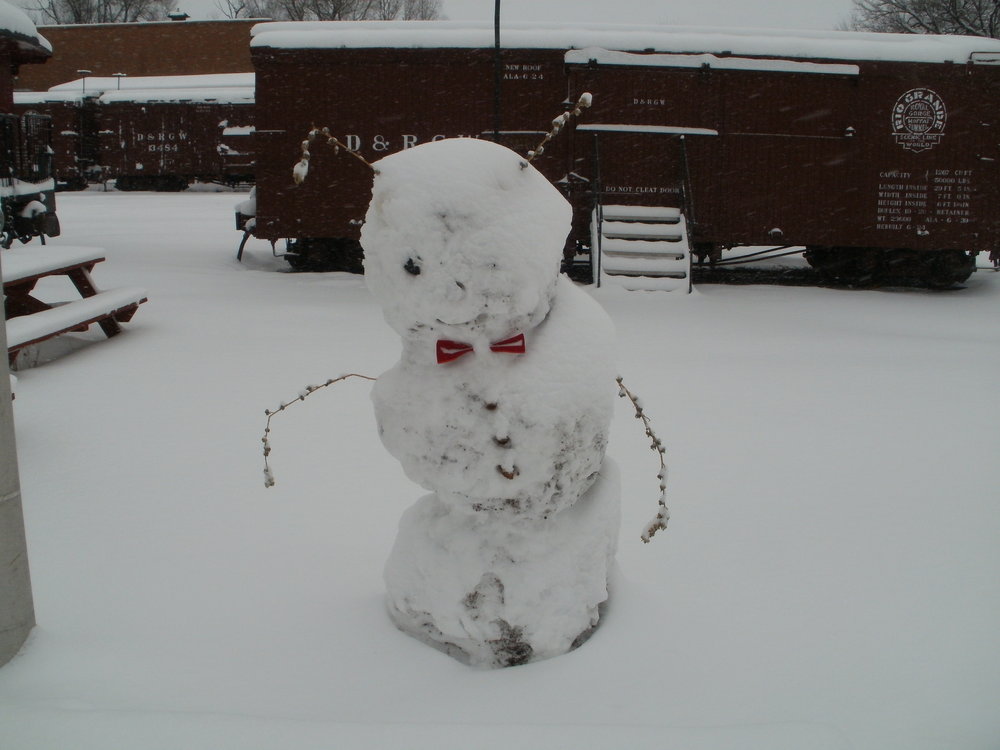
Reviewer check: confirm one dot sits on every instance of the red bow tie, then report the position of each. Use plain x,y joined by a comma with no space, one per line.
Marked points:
450,350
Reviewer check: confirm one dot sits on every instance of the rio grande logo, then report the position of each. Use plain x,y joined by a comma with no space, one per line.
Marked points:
918,119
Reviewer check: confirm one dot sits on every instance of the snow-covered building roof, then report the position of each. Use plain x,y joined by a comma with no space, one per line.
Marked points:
136,83
15,24
787,43
231,88
39,97
222,95
142,49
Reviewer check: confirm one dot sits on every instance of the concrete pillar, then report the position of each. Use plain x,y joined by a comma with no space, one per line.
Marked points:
17,610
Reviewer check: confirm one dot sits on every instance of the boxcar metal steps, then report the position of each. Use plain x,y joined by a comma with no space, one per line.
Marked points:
641,248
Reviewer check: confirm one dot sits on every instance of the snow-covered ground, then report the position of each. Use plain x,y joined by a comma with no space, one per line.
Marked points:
830,578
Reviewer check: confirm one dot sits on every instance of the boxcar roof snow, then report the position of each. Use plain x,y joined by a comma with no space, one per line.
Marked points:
797,43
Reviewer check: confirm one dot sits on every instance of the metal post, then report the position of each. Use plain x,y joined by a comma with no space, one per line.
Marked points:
83,83
497,72
596,187
17,610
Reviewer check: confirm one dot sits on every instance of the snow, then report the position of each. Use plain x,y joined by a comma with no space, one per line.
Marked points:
248,207
41,97
614,57
472,583
828,581
781,43
24,261
986,58
663,129
128,83
15,22
21,187
301,168
429,413
422,240
233,88
508,560
231,95
39,325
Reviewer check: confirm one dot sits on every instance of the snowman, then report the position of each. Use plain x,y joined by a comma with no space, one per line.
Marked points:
499,406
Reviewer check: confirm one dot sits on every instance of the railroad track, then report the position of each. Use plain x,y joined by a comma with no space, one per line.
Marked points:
776,276
768,275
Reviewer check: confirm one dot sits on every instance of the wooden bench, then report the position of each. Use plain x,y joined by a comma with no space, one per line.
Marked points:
30,320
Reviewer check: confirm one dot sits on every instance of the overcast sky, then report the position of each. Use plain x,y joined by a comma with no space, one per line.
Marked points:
800,14
789,14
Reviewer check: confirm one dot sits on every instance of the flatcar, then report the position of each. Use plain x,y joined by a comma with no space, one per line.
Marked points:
877,153
150,132
27,202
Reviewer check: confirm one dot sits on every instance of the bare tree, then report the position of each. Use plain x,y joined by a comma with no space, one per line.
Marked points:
381,10
968,17
245,8
97,11
330,10
421,10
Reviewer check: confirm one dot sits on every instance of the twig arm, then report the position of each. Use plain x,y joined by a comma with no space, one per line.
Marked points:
662,516
303,395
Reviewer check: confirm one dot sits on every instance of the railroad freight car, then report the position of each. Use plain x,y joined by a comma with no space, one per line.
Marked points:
876,153
152,132
27,202
75,156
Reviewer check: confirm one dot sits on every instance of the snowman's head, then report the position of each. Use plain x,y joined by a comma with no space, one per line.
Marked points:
463,238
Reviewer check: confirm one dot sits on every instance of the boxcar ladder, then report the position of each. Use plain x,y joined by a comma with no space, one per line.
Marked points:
641,248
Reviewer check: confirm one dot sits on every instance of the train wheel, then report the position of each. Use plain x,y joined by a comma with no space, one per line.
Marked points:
325,254
868,267
935,269
852,266
945,268
72,184
170,184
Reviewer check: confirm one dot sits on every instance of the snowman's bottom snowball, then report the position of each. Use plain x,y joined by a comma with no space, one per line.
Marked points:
496,593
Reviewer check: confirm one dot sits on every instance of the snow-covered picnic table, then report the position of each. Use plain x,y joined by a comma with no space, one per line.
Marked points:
30,320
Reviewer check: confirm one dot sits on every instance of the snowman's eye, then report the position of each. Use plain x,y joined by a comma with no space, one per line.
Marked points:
411,267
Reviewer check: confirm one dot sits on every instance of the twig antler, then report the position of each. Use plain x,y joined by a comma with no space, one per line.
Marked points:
303,395
301,169
559,123
663,513
332,140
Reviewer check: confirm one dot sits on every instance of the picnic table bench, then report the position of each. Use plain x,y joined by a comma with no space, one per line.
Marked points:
30,320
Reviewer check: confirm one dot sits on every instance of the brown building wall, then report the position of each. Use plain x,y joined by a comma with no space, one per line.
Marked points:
141,49
6,90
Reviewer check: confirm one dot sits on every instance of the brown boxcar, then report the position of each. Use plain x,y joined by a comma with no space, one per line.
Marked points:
74,134
27,202
878,153
151,133
377,101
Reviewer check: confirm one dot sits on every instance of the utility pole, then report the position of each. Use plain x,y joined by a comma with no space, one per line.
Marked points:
497,72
